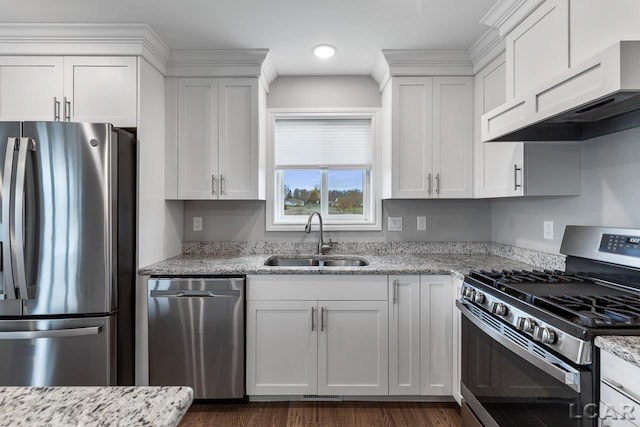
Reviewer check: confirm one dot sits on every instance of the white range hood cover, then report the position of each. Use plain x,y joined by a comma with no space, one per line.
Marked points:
596,97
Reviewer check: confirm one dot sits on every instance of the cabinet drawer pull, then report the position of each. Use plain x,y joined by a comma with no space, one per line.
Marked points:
515,177
322,318
438,183
221,185
313,312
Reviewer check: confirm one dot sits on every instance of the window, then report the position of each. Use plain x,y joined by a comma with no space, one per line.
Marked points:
324,163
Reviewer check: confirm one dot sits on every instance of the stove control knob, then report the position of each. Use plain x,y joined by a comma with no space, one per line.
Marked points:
544,335
499,309
479,298
526,324
467,292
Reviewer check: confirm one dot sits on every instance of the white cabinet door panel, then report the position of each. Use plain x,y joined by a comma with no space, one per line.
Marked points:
404,335
101,89
412,136
353,348
436,335
238,138
452,137
198,138
28,86
538,48
281,347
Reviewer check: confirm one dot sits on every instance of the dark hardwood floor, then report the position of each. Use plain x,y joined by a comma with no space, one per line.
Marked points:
316,414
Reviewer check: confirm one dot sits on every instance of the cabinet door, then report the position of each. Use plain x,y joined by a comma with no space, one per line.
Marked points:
353,348
412,137
452,137
30,88
238,138
281,347
101,89
495,163
538,48
404,335
457,340
198,138
436,335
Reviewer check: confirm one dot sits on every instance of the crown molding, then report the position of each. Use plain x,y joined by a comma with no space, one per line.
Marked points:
417,62
84,39
269,72
505,15
216,62
487,48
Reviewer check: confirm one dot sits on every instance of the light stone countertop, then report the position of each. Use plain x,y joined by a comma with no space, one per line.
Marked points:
93,406
627,348
438,263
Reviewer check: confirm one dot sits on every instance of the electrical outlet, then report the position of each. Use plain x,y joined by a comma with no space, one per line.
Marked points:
548,230
197,223
395,223
421,223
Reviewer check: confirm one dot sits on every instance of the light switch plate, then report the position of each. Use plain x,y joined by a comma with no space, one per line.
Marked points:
197,223
421,224
395,223
548,230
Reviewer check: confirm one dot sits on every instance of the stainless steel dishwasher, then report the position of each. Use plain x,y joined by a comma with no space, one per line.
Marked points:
196,335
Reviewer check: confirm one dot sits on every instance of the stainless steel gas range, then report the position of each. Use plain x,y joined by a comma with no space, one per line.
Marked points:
528,357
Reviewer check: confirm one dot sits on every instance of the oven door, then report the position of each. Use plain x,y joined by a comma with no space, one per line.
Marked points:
509,380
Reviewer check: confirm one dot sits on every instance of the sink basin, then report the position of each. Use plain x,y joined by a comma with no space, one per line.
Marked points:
345,262
276,261
286,261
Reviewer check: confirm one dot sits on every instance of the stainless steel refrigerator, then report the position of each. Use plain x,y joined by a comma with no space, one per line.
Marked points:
67,201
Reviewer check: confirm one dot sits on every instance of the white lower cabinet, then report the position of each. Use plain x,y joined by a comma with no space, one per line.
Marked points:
317,335
421,356
619,392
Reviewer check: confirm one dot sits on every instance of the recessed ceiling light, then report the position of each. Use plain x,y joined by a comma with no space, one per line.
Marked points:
324,51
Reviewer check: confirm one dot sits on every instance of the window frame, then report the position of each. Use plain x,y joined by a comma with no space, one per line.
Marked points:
371,189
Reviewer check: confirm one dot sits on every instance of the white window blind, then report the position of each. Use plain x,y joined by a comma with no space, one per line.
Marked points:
318,143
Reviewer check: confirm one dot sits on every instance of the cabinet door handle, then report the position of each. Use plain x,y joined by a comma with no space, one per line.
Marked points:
67,109
213,185
322,318
56,109
395,291
221,185
313,313
428,183
515,177
438,183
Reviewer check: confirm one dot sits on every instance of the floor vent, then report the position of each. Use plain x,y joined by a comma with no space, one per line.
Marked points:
321,397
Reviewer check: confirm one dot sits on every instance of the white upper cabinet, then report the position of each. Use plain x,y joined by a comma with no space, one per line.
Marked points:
538,48
431,136
77,89
217,138
101,89
30,87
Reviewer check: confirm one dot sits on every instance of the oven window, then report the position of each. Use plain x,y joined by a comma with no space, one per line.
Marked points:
516,393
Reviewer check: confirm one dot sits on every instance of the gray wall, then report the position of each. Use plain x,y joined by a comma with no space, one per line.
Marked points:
324,92
447,220
610,196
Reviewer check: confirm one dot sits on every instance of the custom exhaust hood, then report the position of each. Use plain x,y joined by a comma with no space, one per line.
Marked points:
596,97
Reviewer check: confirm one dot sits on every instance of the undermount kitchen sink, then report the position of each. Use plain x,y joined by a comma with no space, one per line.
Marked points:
287,261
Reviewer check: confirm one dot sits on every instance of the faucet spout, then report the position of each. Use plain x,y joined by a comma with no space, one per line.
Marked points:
322,247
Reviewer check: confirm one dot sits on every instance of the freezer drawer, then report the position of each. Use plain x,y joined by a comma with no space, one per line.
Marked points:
196,335
61,352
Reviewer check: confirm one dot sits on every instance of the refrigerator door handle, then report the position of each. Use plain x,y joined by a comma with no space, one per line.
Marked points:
56,333
26,144
7,210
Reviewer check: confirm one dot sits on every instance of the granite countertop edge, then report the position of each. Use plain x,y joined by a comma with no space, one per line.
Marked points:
625,347
94,406
440,263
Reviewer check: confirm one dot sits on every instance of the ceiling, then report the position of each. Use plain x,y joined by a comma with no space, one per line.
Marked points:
359,29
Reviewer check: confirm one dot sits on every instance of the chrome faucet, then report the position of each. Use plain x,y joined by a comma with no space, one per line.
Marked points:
322,247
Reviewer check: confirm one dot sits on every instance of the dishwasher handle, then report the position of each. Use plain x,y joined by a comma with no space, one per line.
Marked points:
194,294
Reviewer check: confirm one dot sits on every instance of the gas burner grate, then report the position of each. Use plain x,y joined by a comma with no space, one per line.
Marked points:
595,311
526,276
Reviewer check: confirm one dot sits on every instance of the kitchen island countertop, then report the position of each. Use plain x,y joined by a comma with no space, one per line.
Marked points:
439,263
93,406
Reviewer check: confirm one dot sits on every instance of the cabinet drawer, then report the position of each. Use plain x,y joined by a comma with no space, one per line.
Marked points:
297,287
620,371
617,409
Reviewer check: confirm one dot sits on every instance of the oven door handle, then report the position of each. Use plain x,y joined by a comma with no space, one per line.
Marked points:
563,373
